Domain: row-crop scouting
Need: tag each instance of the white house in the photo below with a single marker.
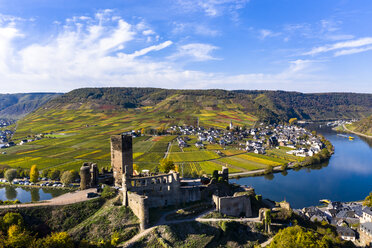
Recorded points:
(367, 215)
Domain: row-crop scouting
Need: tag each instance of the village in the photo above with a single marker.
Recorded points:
(302, 142)
(4, 134)
(352, 220)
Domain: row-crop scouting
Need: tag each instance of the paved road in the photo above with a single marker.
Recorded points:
(247, 173)
(68, 198)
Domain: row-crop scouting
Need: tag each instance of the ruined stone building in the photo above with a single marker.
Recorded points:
(238, 205)
(143, 192)
(88, 176)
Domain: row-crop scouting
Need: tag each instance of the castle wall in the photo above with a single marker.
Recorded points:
(138, 204)
(190, 194)
(162, 190)
(233, 205)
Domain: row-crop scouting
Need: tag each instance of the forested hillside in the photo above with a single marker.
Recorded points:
(266, 105)
(15, 106)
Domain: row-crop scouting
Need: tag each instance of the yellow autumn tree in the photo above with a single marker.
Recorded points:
(292, 121)
(18, 237)
(58, 240)
(34, 174)
(136, 168)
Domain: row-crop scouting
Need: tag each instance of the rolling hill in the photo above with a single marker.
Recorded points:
(77, 125)
(15, 106)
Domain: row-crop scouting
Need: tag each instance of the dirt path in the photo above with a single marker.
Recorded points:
(267, 242)
(68, 198)
(357, 133)
(168, 149)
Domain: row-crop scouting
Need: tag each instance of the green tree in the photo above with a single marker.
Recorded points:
(45, 172)
(54, 174)
(10, 174)
(34, 174)
(166, 165)
(75, 174)
(67, 177)
(368, 200)
(215, 175)
(11, 219)
(269, 169)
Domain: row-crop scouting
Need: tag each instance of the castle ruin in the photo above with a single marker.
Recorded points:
(121, 157)
(88, 176)
(143, 192)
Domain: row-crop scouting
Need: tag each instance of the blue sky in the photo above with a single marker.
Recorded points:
(306, 46)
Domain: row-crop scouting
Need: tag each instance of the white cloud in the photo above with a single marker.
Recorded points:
(213, 8)
(337, 37)
(98, 52)
(352, 51)
(196, 28)
(265, 33)
(342, 45)
(148, 32)
(195, 51)
(151, 48)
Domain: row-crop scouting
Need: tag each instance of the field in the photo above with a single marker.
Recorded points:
(71, 137)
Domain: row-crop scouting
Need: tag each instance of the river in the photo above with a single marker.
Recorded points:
(347, 176)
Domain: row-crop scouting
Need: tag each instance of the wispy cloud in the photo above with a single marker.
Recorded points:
(265, 33)
(213, 8)
(352, 44)
(195, 51)
(194, 28)
(152, 48)
(352, 51)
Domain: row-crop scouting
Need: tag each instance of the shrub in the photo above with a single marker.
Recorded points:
(107, 192)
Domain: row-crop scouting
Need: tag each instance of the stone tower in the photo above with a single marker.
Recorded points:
(94, 175)
(85, 176)
(121, 157)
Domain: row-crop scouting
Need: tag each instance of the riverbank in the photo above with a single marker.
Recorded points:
(314, 160)
(357, 133)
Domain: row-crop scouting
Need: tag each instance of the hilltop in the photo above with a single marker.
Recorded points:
(15, 106)
(266, 105)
